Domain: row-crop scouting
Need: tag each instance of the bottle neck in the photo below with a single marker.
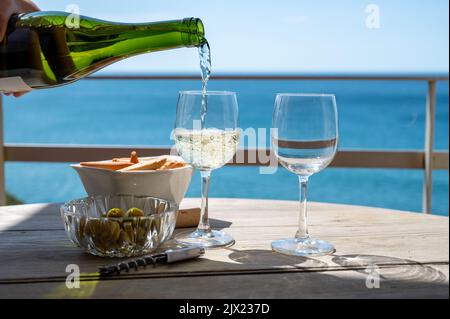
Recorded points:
(125, 40)
(155, 36)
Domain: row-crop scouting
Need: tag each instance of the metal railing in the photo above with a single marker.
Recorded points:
(428, 159)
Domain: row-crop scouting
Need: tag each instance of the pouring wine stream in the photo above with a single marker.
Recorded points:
(205, 67)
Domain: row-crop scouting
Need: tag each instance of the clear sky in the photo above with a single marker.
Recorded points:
(290, 35)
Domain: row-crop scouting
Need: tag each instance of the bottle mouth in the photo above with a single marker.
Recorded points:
(195, 26)
(194, 33)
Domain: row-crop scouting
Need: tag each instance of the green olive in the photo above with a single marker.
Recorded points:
(135, 212)
(129, 230)
(115, 212)
(104, 233)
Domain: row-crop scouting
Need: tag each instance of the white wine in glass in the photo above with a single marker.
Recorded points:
(206, 149)
(207, 138)
(304, 139)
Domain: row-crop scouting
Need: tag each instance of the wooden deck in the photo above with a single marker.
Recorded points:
(410, 250)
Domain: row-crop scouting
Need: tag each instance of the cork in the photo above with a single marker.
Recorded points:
(188, 217)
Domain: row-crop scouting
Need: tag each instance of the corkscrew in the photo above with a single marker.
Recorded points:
(166, 257)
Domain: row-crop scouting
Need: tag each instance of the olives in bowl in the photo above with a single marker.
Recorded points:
(119, 225)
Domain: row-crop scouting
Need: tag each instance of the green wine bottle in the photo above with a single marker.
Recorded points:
(43, 50)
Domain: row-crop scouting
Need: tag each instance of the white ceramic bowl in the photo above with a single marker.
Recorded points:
(169, 184)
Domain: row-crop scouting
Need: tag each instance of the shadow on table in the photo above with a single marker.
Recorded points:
(391, 268)
(388, 269)
(217, 224)
(270, 258)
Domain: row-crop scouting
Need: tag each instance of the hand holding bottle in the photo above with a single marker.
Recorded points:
(8, 8)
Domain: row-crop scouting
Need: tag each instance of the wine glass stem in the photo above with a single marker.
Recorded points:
(302, 231)
(203, 225)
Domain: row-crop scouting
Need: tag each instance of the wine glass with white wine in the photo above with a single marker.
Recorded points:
(206, 136)
(304, 139)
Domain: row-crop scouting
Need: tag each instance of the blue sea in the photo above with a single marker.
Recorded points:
(372, 115)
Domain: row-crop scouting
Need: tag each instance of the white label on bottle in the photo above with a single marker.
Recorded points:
(13, 85)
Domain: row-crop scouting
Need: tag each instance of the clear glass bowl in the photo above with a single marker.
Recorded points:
(87, 227)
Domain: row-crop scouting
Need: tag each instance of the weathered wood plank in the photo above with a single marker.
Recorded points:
(249, 213)
(47, 217)
(247, 157)
(395, 283)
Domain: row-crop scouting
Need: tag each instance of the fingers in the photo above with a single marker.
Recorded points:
(27, 6)
(16, 94)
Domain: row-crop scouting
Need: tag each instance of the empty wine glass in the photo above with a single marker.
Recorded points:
(304, 139)
(206, 135)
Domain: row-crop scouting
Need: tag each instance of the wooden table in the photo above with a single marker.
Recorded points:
(410, 251)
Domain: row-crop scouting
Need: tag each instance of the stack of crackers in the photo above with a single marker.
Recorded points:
(133, 163)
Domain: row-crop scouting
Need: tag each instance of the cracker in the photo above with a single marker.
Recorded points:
(107, 165)
(152, 164)
(169, 164)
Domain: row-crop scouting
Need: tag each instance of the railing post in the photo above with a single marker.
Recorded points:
(2, 158)
(429, 141)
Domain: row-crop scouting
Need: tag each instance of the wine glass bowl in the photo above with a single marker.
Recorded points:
(206, 136)
(304, 139)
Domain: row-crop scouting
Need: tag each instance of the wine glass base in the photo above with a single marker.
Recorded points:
(211, 239)
(307, 247)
